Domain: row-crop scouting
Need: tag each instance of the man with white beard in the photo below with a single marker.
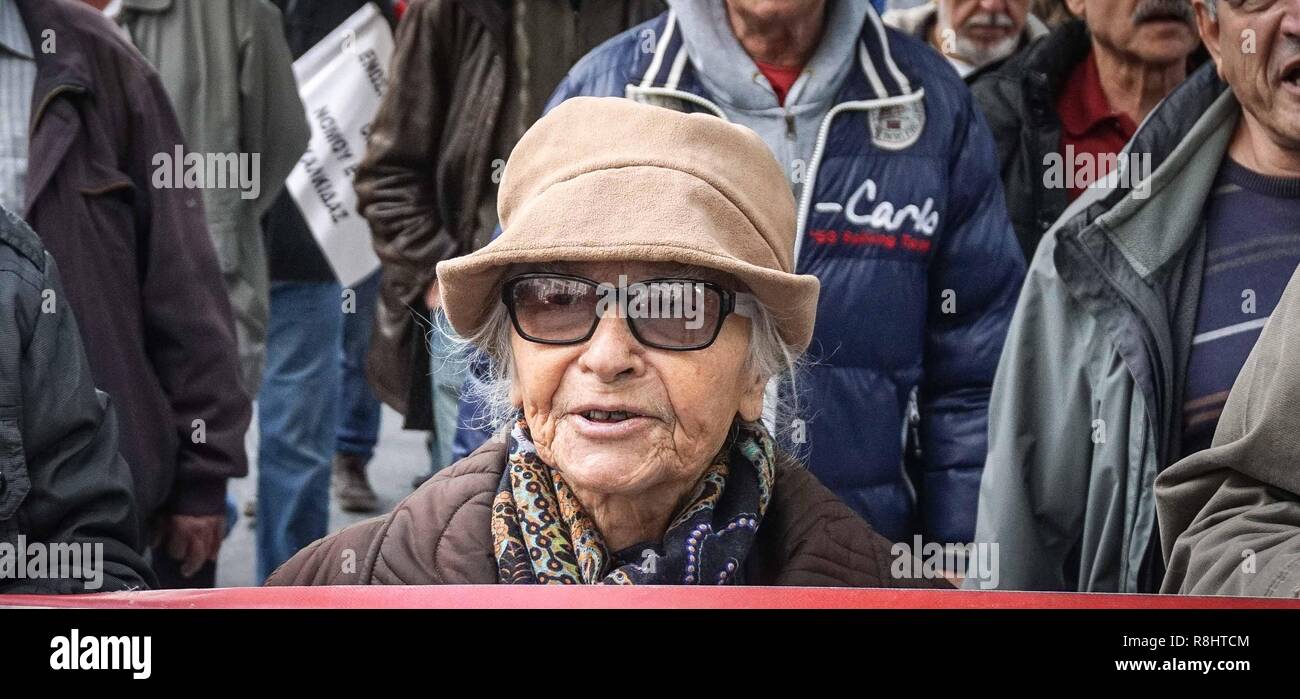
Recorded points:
(971, 34)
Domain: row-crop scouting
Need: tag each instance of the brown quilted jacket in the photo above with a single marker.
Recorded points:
(440, 534)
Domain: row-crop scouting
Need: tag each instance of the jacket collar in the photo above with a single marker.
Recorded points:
(68, 65)
(1091, 108)
(13, 34)
(668, 68)
(1048, 62)
(1134, 261)
(66, 70)
(1186, 138)
(730, 75)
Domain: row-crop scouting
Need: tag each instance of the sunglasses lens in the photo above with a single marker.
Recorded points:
(678, 315)
(553, 309)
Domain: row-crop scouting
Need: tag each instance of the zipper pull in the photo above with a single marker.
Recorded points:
(789, 125)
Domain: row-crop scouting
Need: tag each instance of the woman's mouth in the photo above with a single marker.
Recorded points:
(610, 416)
(609, 424)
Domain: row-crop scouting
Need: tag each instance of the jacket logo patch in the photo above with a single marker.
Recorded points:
(897, 126)
(876, 222)
(866, 208)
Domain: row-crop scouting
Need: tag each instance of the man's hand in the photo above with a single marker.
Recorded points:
(193, 540)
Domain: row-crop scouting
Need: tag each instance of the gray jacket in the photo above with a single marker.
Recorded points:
(1230, 515)
(62, 482)
(227, 68)
(1086, 405)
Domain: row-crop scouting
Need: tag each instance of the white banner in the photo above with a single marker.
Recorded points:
(341, 81)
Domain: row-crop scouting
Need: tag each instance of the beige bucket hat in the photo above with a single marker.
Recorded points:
(612, 180)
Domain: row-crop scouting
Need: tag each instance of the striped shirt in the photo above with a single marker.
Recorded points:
(17, 80)
(1252, 247)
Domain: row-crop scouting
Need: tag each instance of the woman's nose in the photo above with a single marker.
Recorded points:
(613, 352)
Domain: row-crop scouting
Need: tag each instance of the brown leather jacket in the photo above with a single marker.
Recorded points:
(441, 535)
(426, 169)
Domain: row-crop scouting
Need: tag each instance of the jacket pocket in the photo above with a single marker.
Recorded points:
(109, 199)
(111, 183)
(14, 481)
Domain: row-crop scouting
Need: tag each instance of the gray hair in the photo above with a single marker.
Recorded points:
(1212, 7)
(770, 356)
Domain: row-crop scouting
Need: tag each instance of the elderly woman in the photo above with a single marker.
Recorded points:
(634, 308)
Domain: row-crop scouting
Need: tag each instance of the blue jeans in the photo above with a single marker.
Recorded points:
(297, 419)
(232, 516)
(358, 430)
(447, 372)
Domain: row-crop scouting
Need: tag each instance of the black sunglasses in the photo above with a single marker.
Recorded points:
(668, 314)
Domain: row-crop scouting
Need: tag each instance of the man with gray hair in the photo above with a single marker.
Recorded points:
(1141, 307)
(1230, 515)
(1080, 91)
(974, 35)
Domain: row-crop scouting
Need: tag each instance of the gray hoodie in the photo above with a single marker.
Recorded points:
(746, 97)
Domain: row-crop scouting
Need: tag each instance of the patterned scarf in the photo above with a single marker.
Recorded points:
(542, 534)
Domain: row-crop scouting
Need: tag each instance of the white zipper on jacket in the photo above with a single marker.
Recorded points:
(647, 87)
(633, 91)
(823, 132)
(883, 99)
(653, 70)
(903, 83)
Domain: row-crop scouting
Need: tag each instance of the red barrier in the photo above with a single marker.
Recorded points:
(614, 597)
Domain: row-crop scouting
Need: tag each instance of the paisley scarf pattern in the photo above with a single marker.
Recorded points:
(541, 534)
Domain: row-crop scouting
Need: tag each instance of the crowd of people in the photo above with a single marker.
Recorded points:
(998, 275)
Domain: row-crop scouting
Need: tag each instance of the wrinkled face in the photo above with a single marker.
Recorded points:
(1159, 32)
(982, 31)
(677, 406)
(1256, 46)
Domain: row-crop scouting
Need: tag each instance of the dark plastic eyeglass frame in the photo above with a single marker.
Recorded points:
(728, 307)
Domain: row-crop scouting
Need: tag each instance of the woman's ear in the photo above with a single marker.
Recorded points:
(751, 401)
